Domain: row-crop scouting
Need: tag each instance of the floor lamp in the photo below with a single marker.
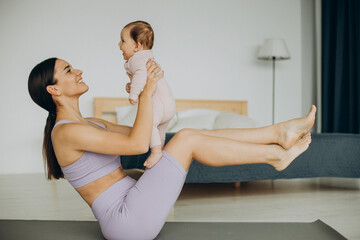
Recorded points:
(273, 49)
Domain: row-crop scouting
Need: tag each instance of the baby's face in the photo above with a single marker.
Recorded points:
(127, 44)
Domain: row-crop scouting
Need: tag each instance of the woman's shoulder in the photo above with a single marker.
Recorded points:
(65, 128)
(67, 137)
(74, 135)
(74, 128)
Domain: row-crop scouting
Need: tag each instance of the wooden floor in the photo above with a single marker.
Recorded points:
(335, 201)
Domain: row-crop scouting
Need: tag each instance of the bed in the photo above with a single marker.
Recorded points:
(106, 108)
(329, 155)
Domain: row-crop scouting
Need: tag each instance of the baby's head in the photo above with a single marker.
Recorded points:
(134, 37)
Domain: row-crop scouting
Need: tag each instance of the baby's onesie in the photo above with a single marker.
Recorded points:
(164, 107)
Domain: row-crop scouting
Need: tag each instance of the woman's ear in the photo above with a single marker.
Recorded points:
(53, 90)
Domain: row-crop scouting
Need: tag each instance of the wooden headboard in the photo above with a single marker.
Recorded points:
(105, 107)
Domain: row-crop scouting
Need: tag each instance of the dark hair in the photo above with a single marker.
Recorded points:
(40, 77)
(142, 32)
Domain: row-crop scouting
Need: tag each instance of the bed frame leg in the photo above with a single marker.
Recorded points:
(237, 184)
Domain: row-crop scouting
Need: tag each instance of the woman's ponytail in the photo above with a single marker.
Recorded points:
(40, 77)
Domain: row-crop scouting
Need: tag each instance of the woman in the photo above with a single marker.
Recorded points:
(86, 151)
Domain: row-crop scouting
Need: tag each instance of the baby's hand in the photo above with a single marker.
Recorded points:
(130, 76)
(128, 87)
(133, 101)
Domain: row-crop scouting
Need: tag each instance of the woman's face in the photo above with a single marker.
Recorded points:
(69, 80)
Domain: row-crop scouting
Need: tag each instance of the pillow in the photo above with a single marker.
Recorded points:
(172, 123)
(197, 122)
(126, 115)
(233, 120)
(121, 112)
(198, 118)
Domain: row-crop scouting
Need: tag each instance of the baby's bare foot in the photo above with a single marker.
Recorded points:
(153, 159)
(289, 155)
(294, 129)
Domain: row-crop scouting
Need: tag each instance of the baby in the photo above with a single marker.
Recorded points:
(136, 42)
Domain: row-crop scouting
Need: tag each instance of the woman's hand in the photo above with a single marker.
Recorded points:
(152, 77)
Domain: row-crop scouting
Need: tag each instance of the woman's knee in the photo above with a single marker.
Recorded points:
(186, 137)
(181, 146)
(181, 139)
(186, 133)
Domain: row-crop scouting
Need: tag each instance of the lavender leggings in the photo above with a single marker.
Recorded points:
(132, 209)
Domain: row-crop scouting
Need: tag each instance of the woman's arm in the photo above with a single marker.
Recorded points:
(125, 130)
(84, 137)
(114, 127)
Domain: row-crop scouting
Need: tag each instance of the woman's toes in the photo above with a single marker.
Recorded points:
(294, 129)
(298, 148)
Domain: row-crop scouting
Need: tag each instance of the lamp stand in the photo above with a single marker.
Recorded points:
(273, 92)
(273, 49)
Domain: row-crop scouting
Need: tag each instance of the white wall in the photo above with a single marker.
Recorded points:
(207, 49)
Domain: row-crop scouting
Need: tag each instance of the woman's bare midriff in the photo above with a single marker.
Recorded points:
(91, 191)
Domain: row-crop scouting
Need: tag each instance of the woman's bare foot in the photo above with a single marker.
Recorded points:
(294, 129)
(289, 155)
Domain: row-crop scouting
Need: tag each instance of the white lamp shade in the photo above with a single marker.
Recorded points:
(274, 48)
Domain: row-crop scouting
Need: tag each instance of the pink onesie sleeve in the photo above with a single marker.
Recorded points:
(137, 67)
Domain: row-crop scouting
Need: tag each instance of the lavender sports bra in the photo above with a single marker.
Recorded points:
(90, 166)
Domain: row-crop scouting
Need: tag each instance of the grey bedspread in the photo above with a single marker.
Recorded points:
(329, 155)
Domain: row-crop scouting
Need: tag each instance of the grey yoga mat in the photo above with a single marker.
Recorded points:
(89, 230)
